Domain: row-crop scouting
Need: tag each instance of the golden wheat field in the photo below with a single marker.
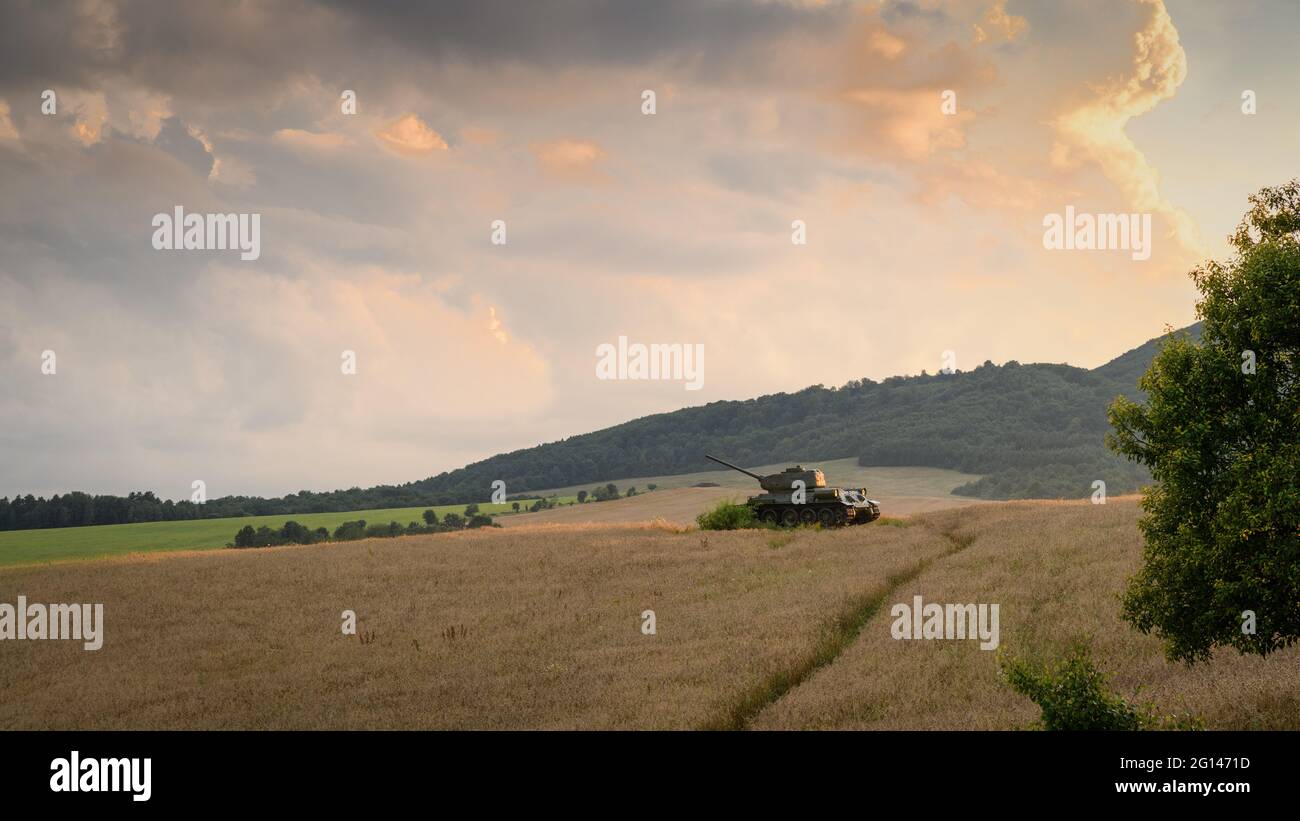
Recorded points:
(541, 627)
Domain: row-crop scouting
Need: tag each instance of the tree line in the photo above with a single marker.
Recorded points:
(78, 509)
(292, 532)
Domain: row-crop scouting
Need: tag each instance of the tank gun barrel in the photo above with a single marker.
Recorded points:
(733, 467)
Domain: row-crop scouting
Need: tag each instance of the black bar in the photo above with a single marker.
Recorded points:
(330, 770)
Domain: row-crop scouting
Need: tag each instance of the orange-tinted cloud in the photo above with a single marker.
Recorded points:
(569, 158)
(475, 135)
(998, 26)
(910, 121)
(981, 184)
(1094, 130)
(410, 136)
(7, 130)
(310, 140)
(891, 85)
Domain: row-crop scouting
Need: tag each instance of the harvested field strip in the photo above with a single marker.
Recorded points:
(1056, 571)
(836, 636)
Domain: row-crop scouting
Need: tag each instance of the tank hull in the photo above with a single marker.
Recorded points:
(829, 509)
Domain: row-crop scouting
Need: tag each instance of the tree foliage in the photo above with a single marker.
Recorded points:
(294, 533)
(1222, 524)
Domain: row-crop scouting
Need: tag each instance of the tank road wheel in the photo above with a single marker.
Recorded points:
(769, 517)
(789, 517)
(827, 517)
(808, 516)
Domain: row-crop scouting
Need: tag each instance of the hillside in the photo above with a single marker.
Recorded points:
(1033, 431)
(1029, 431)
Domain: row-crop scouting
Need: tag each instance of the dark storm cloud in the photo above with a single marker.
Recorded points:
(907, 10)
(224, 51)
(559, 33)
(48, 43)
(175, 139)
(212, 50)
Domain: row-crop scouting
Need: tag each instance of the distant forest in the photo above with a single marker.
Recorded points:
(1032, 431)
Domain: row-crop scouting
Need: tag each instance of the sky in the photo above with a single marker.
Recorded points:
(922, 212)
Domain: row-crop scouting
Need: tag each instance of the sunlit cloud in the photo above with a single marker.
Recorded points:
(1095, 130)
(998, 26)
(7, 130)
(569, 158)
(494, 326)
(410, 136)
(311, 140)
(909, 121)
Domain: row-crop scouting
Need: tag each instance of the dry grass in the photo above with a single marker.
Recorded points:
(539, 627)
(1056, 570)
(487, 629)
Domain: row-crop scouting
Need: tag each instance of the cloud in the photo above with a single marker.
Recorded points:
(311, 140)
(410, 136)
(189, 145)
(910, 122)
(592, 33)
(890, 85)
(982, 184)
(255, 378)
(494, 326)
(998, 26)
(570, 159)
(89, 111)
(1094, 131)
(44, 45)
(7, 130)
(475, 135)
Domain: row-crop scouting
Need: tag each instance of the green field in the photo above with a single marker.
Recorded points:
(64, 543)
(892, 481)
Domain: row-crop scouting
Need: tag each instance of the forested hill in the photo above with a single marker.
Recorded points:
(1128, 367)
(1033, 431)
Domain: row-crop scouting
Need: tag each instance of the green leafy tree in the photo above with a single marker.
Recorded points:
(582, 496)
(1220, 433)
(430, 517)
(296, 533)
(602, 494)
(350, 531)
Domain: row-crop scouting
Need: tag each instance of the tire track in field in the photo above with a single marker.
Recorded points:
(838, 633)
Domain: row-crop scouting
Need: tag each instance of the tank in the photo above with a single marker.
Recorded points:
(786, 502)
